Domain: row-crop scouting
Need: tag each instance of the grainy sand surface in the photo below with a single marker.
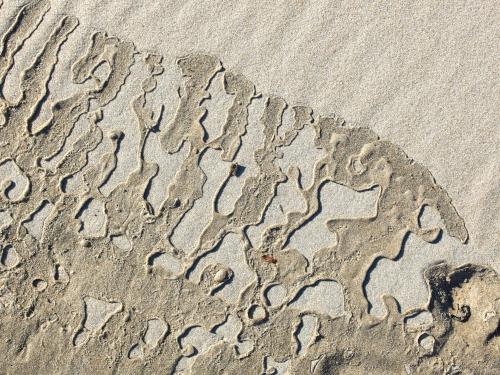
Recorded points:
(422, 76)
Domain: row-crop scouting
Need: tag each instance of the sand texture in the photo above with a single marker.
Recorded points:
(177, 196)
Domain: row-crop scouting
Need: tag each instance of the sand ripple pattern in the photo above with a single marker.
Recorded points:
(102, 286)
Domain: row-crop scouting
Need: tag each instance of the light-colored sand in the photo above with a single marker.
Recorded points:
(423, 76)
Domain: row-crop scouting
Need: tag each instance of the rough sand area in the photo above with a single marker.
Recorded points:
(177, 196)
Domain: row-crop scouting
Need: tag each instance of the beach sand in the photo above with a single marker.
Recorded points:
(421, 76)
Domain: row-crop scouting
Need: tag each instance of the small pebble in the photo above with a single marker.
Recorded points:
(39, 284)
(188, 350)
(85, 243)
(115, 134)
(427, 342)
(221, 275)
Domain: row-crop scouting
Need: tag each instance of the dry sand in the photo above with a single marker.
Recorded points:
(422, 76)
